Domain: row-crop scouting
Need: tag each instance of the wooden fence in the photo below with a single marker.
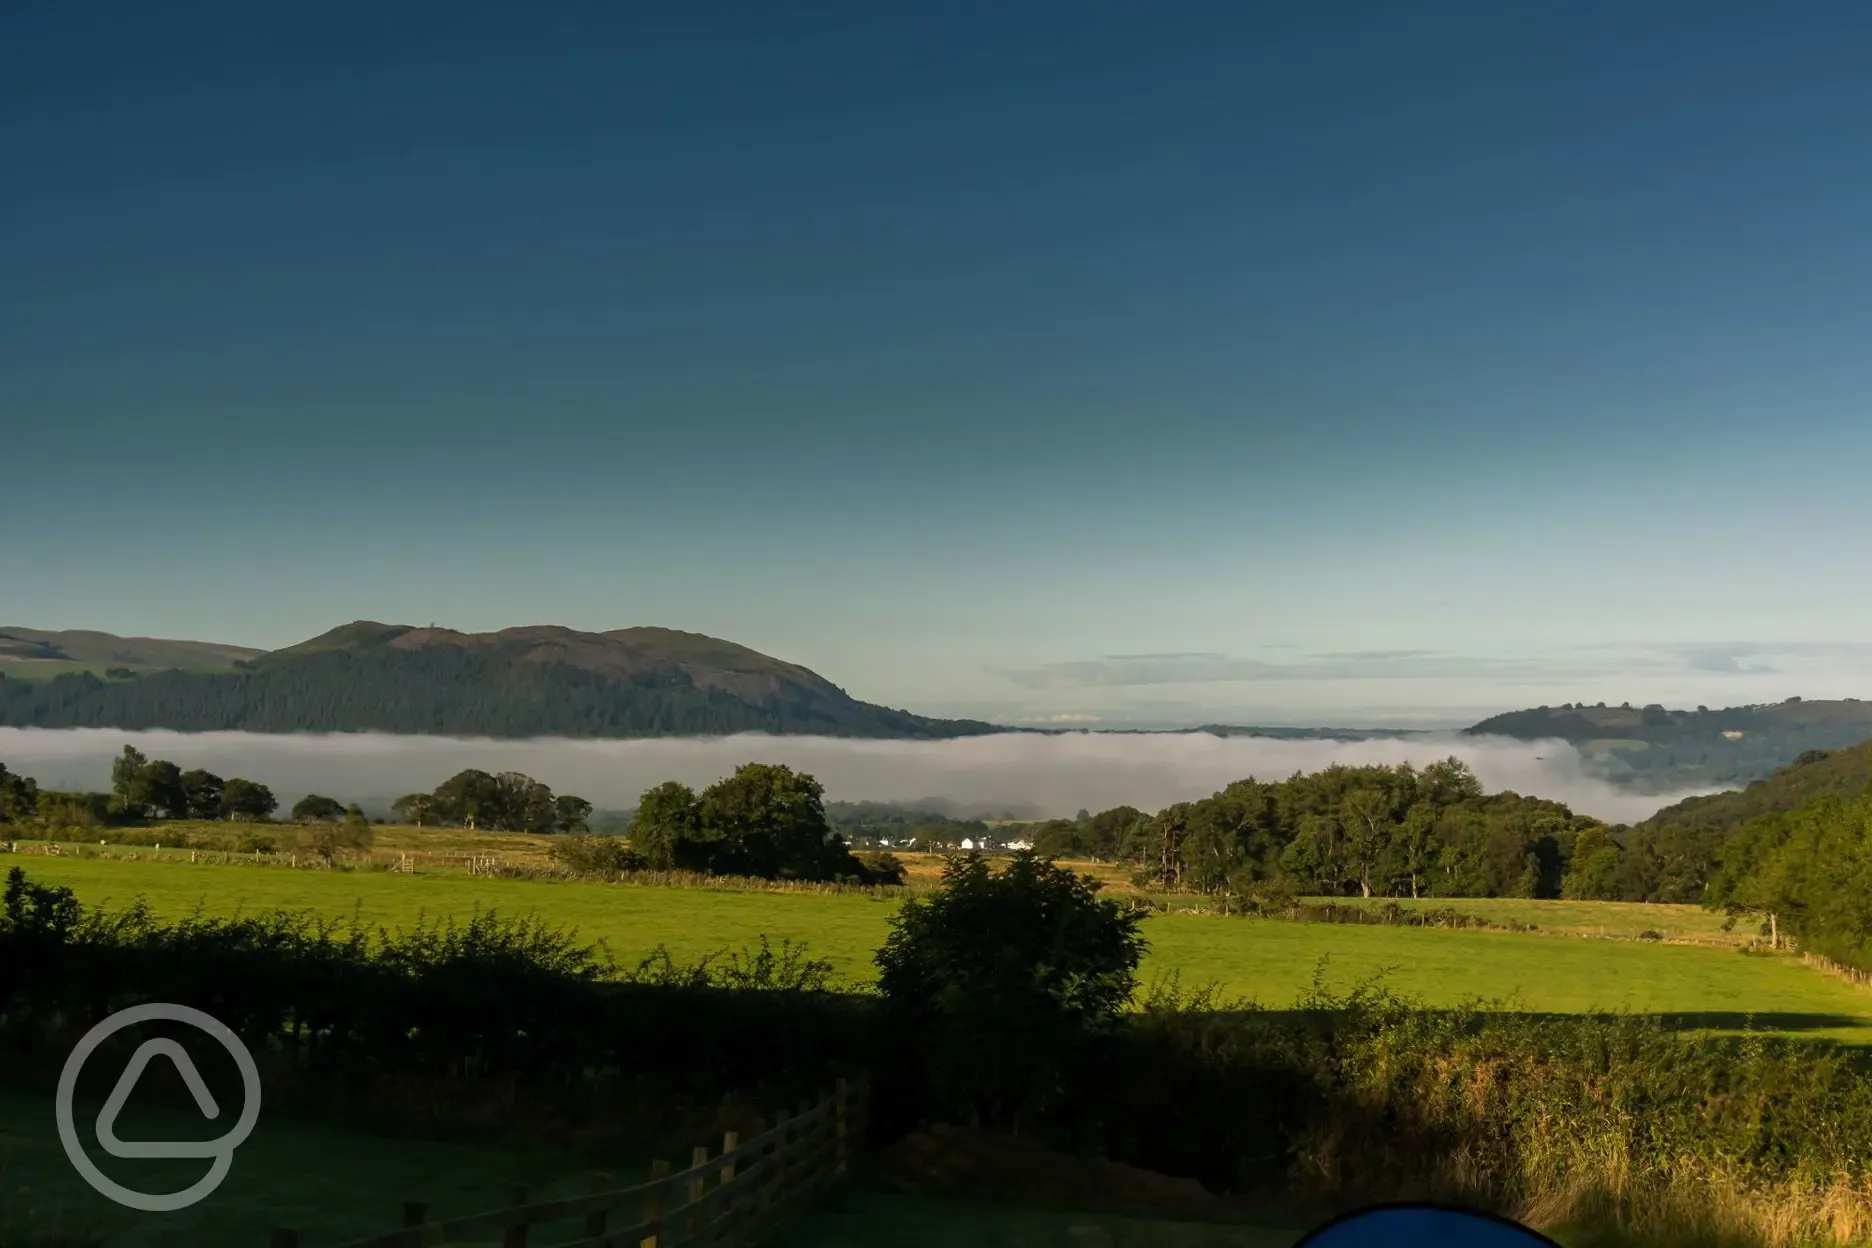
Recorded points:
(1828, 965)
(725, 1200)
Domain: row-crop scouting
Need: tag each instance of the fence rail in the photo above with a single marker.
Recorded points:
(1850, 973)
(722, 1200)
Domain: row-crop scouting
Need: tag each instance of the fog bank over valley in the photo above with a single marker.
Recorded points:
(1041, 775)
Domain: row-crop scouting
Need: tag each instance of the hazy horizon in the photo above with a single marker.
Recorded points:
(1421, 690)
(1056, 775)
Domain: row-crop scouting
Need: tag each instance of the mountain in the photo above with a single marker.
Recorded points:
(1657, 749)
(521, 682)
(34, 652)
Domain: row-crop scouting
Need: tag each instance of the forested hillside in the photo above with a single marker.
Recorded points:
(1656, 749)
(1810, 870)
(1433, 832)
(1842, 773)
(542, 681)
(1675, 855)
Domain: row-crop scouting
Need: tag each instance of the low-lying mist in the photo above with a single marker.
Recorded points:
(1033, 774)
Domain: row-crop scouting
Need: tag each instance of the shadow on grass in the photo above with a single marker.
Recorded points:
(1730, 1021)
(1720, 1024)
(862, 1215)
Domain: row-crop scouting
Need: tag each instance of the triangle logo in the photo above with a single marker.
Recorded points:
(148, 1051)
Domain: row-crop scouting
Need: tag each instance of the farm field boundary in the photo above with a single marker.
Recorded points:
(400, 849)
(729, 1198)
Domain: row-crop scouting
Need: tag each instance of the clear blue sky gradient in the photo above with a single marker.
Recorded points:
(960, 351)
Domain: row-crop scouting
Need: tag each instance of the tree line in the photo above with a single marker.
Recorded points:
(1372, 831)
(141, 789)
(1345, 831)
(144, 789)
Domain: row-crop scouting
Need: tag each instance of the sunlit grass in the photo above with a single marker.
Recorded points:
(1269, 960)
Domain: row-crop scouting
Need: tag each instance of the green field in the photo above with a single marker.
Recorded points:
(1615, 920)
(1268, 960)
(47, 669)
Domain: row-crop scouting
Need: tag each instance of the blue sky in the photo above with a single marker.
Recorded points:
(1347, 361)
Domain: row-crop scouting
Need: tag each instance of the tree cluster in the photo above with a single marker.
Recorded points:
(1809, 871)
(141, 789)
(155, 788)
(1345, 831)
(765, 820)
(506, 801)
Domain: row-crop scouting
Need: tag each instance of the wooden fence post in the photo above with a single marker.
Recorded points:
(725, 1207)
(653, 1207)
(840, 1129)
(516, 1234)
(782, 1149)
(803, 1173)
(595, 1220)
(698, 1157)
(758, 1200)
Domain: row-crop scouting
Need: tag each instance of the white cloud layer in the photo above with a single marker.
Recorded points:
(1051, 775)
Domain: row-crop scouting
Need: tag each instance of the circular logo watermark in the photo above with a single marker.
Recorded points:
(222, 1150)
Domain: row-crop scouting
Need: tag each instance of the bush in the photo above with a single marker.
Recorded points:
(600, 857)
(248, 841)
(326, 840)
(882, 869)
(997, 982)
(1588, 1121)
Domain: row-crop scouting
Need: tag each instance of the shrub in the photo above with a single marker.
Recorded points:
(996, 981)
(248, 841)
(882, 869)
(326, 839)
(601, 857)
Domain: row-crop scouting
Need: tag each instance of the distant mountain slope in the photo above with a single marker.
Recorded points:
(1651, 747)
(536, 681)
(1845, 773)
(37, 652)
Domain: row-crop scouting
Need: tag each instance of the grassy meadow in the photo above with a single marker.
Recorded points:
(1561, 970)
(287, 1174)
(1619, 920)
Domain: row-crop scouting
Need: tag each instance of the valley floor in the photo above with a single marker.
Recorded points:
(1692, 985)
